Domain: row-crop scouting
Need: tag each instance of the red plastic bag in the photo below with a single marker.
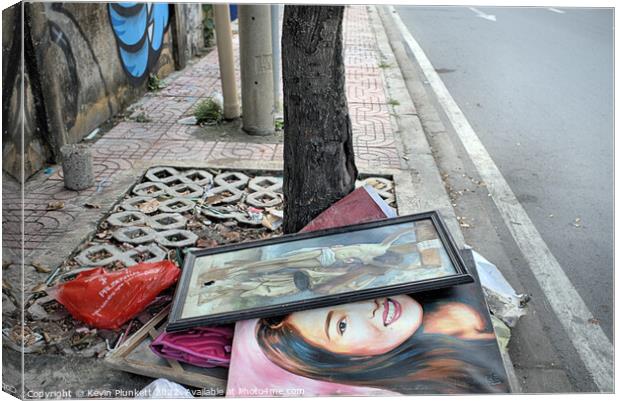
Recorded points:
(106, 300)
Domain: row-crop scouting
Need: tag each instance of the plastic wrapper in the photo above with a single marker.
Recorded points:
(107, 300)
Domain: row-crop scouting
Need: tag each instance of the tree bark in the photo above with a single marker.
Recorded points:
(319, 165)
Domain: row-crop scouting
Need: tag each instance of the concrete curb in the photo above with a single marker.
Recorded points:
(425, 190)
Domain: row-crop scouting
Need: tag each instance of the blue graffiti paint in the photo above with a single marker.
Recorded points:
(139, 29)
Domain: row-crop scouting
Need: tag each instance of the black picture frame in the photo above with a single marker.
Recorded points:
(461, 276)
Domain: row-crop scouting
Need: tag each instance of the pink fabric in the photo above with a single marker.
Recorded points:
(206, 347)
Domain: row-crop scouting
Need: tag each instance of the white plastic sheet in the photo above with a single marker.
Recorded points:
(503, 300)
(163, 388)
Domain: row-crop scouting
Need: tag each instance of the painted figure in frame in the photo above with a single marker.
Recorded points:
(325, 269)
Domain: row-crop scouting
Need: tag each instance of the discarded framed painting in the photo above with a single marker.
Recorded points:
(320, 268)
(442, 342)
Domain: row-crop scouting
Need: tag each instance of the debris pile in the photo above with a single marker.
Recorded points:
(167, 213)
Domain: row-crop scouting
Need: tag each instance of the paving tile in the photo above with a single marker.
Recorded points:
(376, 157)
(180, 132)
(133, 149)
(240, 150)
(163, 109)
(361, 57)
(355, 72)
(193, 86)
(106, 167)
(180, 150)
(365, 89)
(136, 130)
(361, 112)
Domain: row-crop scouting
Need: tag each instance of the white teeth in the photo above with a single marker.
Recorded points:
(391, 313)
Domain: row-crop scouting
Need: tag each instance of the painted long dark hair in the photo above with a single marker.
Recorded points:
(424, 364)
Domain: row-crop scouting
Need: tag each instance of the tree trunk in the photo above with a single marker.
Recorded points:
(319, 166)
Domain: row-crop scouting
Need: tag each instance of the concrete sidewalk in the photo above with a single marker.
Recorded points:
(131, 145)
(388, 139)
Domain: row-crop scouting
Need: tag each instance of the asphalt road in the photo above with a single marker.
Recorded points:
(536, 85)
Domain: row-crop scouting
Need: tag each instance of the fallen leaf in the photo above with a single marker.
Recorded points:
(149, 206)
(40, 288)
(272, 222)
(41, 268)
(6, 285)
(206, 243)
(232, 235)
(214, 199)
(55, 205)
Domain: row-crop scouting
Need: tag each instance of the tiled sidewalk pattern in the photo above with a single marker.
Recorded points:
(162, 138)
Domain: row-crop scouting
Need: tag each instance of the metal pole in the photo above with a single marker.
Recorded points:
(223, 36)
(277, 57)
(256, 69)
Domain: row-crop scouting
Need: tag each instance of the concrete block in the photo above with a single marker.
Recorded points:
(152, 189)
(127, 219)
(198, 177)
(176, 205)
(185, 190)
(132, 204)
(263, 199)
(232, 178)
(111, 253)
(176, 238)
(161, 174)
(266, 183)
(229, 193)
(383, 186)
(147, 253)
(77, 166)
(166, 221)
(134, 235)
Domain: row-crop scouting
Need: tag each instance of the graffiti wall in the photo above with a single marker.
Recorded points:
(139, 30)
(87, 62)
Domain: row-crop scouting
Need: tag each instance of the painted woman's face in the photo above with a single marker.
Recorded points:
(362, 328)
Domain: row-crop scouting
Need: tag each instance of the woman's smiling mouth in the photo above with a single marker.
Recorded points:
(391, 311)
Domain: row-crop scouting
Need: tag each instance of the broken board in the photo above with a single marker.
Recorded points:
(135, 356)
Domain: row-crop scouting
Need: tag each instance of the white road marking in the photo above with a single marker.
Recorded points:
(555, 10)
(595, 350)
(483, 15)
